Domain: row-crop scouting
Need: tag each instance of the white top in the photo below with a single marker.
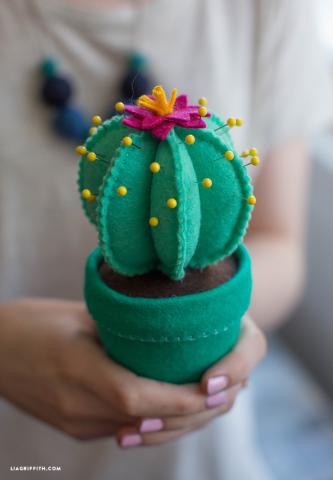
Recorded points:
(256, 59)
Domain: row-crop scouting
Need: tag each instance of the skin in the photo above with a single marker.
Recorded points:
(276, 236)
(53, 367)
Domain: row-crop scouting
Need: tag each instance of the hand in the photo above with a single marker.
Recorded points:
(53, 367)
(214, 396)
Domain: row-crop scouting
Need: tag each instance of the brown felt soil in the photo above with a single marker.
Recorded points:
(156, 285)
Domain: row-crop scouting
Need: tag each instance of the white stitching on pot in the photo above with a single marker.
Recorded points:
(189, 338)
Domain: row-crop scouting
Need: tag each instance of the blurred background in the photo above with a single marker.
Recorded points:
(294, 394)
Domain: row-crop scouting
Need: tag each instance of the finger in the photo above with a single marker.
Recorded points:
(88, 430)
(222, 403)
(128, 437)
(133, 395)
(236, 367)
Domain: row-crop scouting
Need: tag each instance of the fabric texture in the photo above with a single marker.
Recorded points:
(173, 339)
(196, 233)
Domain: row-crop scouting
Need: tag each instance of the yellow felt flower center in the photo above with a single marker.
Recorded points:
(159, 104)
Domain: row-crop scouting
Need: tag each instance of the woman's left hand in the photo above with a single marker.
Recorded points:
(216, 393)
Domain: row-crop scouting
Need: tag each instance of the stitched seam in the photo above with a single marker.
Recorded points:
(189, 338)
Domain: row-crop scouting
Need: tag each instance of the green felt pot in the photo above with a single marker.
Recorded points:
(173, 339)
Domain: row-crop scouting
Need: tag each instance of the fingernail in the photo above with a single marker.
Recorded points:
(131, 440)
(151, 425)
(216, 384)
(216, 400)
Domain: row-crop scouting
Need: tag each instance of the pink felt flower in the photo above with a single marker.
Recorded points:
(157, 114)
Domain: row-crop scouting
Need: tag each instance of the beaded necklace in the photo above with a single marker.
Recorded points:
(57, 91)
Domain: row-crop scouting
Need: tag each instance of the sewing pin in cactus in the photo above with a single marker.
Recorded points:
(81, 150)
(251, 200)
(154, 167)
(87, 195)
(203, 101)
(245, 153)
(92, 157)
(207, 182)
(190, 139)
(119, 107)
(122, 191)
(229, 155)
(203, 111)
(153, 222)
(96, 120)
(171, 203)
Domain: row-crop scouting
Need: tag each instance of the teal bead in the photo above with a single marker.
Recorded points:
(137, 61)
(49, 67)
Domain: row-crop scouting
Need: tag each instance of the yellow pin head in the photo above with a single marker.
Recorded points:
(92, 156)
(251, 200)
(96, 120)
(255, 161)
(239, 122)
(122, 191)
(202, 111)
(207, 182)
(231, 122)
(171, 203)
(153, 221)
(87, 195)
(253, 152)
(203, 101)
(245, 153)
(81, 150)
(120, 107)
(229, 155)
(190, 139)
(127, 141)
(155, 167)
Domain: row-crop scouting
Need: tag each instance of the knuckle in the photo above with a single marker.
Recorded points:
(128, 401)
(183, 405)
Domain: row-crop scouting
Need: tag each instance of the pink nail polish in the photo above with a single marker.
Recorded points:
(216, 384)
(151, 425)
(131, 440)
(216, 400)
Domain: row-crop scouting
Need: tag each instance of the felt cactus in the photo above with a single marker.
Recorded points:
(164, 186)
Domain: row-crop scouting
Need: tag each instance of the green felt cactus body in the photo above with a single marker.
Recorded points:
(165, 195)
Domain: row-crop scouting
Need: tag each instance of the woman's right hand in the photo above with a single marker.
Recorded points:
(53, 367)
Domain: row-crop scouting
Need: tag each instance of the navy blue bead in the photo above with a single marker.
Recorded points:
(135, 84)
(71, 123)
(56, 91)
